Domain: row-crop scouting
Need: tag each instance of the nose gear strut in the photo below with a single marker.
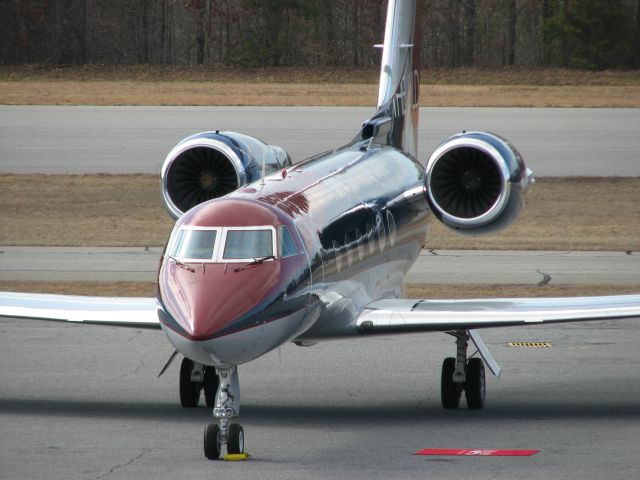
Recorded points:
(225, 409)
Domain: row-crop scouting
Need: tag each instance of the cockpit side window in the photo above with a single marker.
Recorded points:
(287, 245)
(195, 244)
(248, 244)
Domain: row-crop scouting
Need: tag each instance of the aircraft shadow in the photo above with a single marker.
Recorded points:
(325, 415)
(409, 414)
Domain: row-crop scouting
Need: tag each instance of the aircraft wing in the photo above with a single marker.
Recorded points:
(117, 311)
(405, 316)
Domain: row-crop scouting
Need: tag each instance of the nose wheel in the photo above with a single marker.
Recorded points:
(213, 440)
(212, 443)
(235, 439)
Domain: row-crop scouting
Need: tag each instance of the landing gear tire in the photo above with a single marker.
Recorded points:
(475, 387)
(212, 443)
(210, 385)
(449, 391)
(189, 391)
(235, 439)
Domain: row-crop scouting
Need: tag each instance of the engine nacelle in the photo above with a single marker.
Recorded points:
(208, 165)
(475, 182)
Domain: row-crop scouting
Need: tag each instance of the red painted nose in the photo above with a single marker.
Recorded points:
(210, 300)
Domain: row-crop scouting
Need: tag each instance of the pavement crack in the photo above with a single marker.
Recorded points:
(137, 368)
(122, 465)
(135, 335)
(433, 252)
(546, 278)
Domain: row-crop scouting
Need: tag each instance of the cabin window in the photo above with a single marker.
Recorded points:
(248, 244)
(337, 253)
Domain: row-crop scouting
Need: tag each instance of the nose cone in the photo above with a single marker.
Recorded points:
(210, 300)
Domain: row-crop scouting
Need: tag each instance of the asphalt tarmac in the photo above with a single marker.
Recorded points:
(80, 402)
(72, 139)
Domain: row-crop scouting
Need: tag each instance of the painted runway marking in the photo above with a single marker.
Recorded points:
(530, 344)
(476, 453)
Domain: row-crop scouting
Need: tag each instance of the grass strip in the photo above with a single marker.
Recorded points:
(125, 210)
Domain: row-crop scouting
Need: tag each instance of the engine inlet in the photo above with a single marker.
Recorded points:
(200, 174)
(466, 182)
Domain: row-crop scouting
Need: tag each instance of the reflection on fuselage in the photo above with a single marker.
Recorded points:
(355, 242)
(365, 242)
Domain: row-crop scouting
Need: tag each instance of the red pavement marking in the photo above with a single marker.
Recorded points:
(477, 453)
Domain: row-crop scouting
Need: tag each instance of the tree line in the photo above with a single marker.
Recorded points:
(593, 34)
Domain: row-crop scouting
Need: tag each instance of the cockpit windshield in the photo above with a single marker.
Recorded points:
(224, 244)
(197, 244)
(250, 243)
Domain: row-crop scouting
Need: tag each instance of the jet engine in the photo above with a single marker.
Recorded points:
(208, 165)
(475, 182)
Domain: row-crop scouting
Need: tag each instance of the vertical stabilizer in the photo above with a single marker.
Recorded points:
(395, 123)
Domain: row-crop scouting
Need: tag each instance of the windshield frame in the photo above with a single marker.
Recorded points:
(220, 243)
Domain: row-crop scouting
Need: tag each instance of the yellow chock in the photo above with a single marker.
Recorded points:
(234, 457)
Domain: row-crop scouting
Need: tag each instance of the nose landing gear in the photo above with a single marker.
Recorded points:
(225, 409)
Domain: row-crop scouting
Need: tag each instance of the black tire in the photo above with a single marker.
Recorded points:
(189, 391)
(212, 441)
(475, 387)
(235, 439)
(450, 392)
(210, 385)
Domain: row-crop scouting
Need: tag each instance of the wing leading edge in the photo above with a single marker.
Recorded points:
(124, 312)
(406, 316)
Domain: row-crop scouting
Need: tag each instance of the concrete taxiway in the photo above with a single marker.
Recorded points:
(57, 139)
(112, 264)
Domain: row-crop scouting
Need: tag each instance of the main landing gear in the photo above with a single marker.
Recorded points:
(194, 378)
(226, 408)
(460, 374)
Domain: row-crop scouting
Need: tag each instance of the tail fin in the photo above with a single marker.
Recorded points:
(395, 123)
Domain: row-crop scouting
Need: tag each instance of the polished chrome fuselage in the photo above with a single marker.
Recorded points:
(360, 218)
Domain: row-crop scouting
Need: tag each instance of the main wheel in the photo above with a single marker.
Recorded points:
(210, 385)
(450, 392)
(475, 387)
(212, 441)
(189, 391)
(235, 439)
